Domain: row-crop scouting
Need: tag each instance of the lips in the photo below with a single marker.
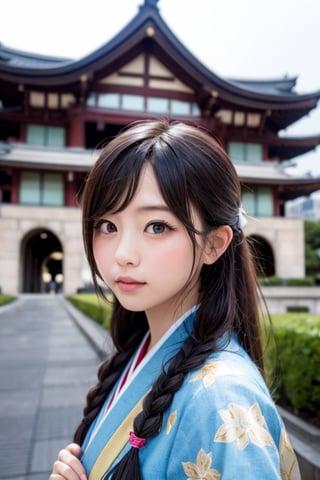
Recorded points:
(128, 284)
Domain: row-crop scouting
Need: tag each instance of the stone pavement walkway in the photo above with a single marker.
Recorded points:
(46, 368)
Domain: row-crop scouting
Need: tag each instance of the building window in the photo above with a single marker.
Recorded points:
(245, 152)
(39, 188)
(139, 103)
(180, 108)
(133, 102)
(109, 100)
(195, 110)
(157, 105)
(91, 100)
(6, 186)
(46, 136)
(258, 202)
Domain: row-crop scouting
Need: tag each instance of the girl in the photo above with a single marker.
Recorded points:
(183, 397)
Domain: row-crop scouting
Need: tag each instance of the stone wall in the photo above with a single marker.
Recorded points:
(18, 221)
(285, 236)
(280, 298)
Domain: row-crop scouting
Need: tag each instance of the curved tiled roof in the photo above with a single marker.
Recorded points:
(17, 59)
(279, 86)
(148, 25)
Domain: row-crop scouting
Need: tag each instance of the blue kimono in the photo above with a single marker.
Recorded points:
(222, 423)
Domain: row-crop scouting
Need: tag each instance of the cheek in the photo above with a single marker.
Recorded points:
(177, 256)
(100, 254)
(96, 250)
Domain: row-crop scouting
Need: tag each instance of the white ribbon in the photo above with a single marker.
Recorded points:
(242, 221)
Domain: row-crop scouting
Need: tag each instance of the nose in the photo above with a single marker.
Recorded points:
(127, 251)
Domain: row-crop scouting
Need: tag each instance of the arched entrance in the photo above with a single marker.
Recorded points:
(263, 255)
(42, 262)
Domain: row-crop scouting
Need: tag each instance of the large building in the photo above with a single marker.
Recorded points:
(55, 114)
(306, 207)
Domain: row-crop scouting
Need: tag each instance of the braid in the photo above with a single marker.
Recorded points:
(108, 373)
(148, 423)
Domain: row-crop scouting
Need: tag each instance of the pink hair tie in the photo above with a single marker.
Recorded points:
(137, 442)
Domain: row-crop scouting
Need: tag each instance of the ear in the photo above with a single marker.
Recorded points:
(217, 243)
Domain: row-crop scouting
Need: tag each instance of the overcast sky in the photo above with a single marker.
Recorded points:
(244, 39)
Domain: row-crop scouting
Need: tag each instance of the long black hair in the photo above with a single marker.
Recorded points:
(192, 170)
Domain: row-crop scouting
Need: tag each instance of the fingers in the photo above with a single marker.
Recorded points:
(74, 448)
(68, 465)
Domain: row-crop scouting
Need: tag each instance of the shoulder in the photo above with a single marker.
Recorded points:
(227, 385)
(230, 369)
(224, 417)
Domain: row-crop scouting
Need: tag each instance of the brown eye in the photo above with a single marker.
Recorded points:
(104, 226)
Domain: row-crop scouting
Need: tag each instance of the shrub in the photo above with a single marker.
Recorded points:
(94, 307)
(301, 282)
(298, 347)
(297, 308)
(287, 282)
(4, 299)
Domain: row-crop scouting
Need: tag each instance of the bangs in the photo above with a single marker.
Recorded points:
(171, 171)
(180, 172)
(116, 179)
(115, 183)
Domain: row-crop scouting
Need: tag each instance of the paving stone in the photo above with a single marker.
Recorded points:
(19, 402)
(23, 378)
(67, 354)
(14, 458)
(45, 452)
(27, 358)
(19, 478)
(69, 375)
(19, 427)
(65, 395)
(38, 476)
(68, 341)
(57, 422)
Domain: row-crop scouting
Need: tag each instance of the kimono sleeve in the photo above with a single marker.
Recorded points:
(227, 429)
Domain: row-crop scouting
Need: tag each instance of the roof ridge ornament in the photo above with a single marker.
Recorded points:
(151, 3)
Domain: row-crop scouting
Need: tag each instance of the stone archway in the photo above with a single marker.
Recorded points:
(42, 262)
(263, 256)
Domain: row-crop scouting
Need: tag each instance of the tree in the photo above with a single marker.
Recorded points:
(312, 247)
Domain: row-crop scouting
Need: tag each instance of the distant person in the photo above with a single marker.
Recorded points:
(184, 396)
(52, 286)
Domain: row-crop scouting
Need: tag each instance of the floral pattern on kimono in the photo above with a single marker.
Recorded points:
(222, 422)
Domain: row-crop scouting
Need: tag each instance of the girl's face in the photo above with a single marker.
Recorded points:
(145, 256)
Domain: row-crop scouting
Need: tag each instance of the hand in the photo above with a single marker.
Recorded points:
(68, 465)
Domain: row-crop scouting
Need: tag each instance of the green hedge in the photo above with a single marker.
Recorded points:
(93, 306)
(4, 299)
(298, 347)
(287, 282)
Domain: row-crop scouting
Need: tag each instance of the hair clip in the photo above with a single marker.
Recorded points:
(242, 221)
(137, 442)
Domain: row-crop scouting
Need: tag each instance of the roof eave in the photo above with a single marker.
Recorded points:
(149, 24)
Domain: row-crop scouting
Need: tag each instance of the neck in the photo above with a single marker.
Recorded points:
(160, 323)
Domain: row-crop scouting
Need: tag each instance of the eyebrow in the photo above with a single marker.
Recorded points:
(151, 208)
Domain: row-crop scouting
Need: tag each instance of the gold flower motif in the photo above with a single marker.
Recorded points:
(243, 426)
(171, 421)
(210, 371)
(201, 470)
(288, 463)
